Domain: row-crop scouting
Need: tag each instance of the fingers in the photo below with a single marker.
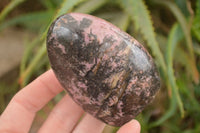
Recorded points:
(20, 112)
(34, 96)
(63, 117)
(131, 127)
(89, 124)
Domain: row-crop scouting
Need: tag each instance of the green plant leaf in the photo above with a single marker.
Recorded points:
(169, 113)
(90, 6)
(183, 23)
(123, 22)
(142, 20)
(48, 4)
(31, 20)
(9, 8)
(108, 15)
(66, 6)
(198, 7)
(182, 4)
(197, 48)
(31, 67)
(189, 92)
(113, 17)
(196, 22)
(27, 53)
(174, 37)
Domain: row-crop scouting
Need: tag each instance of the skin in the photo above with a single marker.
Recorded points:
(20, 112)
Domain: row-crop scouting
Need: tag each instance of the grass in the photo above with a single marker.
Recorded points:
(176, 52)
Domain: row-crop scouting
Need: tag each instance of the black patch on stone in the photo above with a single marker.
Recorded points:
(85, 23)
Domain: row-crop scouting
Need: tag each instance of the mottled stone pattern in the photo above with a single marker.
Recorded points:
(104, 70)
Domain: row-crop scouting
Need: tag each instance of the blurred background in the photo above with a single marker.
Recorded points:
(169, 29)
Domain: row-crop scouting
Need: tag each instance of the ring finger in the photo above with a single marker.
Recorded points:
(89, 124)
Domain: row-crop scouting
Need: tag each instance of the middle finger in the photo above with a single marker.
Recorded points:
(63, 117)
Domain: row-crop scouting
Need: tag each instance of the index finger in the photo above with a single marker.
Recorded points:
(21, 110)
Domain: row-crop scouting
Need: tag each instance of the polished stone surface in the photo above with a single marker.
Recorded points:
(105, 70)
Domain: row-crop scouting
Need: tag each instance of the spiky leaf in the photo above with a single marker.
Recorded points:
(142, 20)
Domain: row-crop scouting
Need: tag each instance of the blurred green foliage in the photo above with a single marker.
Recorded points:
(169, 29)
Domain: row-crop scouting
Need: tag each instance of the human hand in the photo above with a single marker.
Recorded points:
(20, 113)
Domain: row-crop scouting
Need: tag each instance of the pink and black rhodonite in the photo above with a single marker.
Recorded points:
(105, 70)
